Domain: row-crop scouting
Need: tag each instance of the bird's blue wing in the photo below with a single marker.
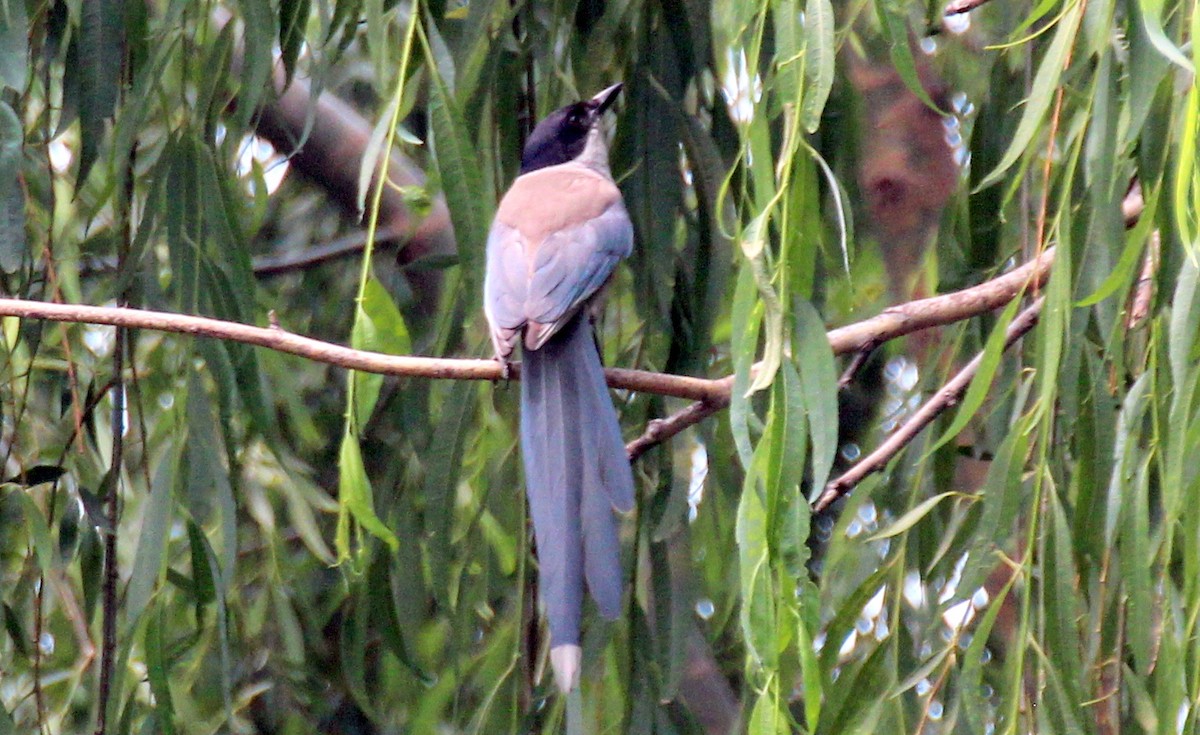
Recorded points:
(506, 285)
(572, 264)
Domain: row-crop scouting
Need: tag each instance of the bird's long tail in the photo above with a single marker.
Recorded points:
(576, 474)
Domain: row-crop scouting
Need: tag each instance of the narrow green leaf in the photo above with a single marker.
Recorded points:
(820, 52)
(1152, 15)
(789, 438)
(209, 494)
(818, 376)
(1045, 83)
(768, 717)
(848, 613)
(14, 252)
(744, 342)
(1184, 327)
(373, 159)
(7, 726)
(772, 326)
(152, 540)
(758, 593)
(14, 245)
(893, 22)
(39, 533)
(1139, 569)
(390, 333)
(14, 44)
(377, 46)
(1055, 320)
(444, 457)
(807, 625)
(1126, 452)
(913, 516)
(971, 681)
(981, 384)
(258, 41)
(16, 632)
(461, 176)
(204, 583)
(1127, 266)
(158, 671)
(293, 20)
(203, 557)
(378, 327)
(863, 688)
(1060, 602)
(287, 623)
(1002, 499)
(101, 45)
(355, 496)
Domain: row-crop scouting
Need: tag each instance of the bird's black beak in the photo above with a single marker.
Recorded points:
(605, 98)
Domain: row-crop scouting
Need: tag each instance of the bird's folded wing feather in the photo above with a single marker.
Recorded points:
(557, 237)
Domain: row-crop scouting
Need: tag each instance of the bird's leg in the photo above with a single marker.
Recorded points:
(505, 368)
(502, 348)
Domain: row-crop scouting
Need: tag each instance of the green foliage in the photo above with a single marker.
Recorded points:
(306, 550)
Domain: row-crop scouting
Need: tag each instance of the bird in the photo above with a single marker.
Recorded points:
(558, 234)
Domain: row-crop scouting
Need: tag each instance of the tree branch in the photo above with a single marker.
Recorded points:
(948, 396)
(659, 430)
(897, 321)
(711, 395)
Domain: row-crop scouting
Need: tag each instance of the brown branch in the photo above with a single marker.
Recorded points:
(660, 430)
(856, 363)
(325, 352)
(936, 311)
(863, 337)
(948, 396)
(1143, 289)
(325, 139)
(277, 264)
(711, 395)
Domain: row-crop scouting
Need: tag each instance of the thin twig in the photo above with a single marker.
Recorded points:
(860, 358)
(277, 264)
(282, 263)
(660, 430)
(1143, 289)
(122, 349)
(111, 574)
(948, 396)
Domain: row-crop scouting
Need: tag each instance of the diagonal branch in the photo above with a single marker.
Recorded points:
(948, 396)
(865, 336)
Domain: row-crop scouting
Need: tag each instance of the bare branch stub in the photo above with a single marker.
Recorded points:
(860, 358)
(947, 396)
(660, 430)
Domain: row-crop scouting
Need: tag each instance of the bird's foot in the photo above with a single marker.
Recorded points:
(505, 368)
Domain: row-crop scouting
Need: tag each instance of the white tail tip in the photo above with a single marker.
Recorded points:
(566, 661)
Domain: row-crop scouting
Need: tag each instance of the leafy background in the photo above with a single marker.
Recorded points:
(297, 550)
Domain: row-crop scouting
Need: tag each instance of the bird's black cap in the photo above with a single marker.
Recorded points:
(562, 136)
